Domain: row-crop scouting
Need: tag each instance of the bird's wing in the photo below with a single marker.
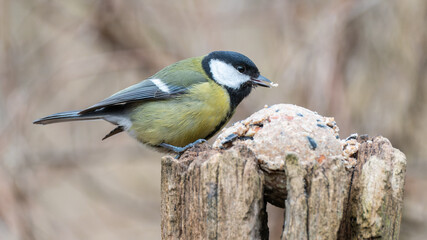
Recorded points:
(159, 86)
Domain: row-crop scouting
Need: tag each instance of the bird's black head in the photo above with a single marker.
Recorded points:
(235, 72)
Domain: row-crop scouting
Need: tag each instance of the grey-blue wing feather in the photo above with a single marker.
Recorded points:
(171, 84)
(143, 91)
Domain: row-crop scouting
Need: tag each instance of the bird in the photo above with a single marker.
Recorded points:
(182, 105)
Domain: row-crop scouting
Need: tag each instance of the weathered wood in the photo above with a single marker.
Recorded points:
(213, 196)
(316, 196)
(374, 207)
(290, 157)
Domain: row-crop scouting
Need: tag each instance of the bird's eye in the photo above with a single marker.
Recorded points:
(241, 69)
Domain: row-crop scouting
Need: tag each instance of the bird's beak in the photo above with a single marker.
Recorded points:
(261, 81)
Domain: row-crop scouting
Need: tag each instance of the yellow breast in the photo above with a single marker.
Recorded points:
(184, 119)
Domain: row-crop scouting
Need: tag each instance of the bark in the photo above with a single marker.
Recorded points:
(213, 196)
(374, 207)
(330, 188)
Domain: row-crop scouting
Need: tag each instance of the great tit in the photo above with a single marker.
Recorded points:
(181, 105)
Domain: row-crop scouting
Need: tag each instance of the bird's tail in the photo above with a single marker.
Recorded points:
(67, 117)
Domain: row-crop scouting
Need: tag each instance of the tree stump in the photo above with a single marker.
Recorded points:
(292, 158)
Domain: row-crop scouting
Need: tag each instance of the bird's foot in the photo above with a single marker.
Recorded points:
(181, 150)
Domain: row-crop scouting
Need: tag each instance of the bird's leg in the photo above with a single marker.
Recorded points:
(181, 150)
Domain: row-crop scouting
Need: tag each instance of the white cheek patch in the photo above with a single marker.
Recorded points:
(225, 74)
(161, 85)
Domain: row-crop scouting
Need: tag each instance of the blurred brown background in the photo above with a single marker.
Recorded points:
(362, 61)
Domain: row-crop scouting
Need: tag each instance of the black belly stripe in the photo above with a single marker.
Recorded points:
(221, 124)
(236, 96)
